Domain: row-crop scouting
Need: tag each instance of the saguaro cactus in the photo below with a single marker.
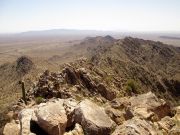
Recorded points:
(23, 91)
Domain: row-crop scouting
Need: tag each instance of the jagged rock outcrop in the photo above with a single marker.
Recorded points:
(93, 118)
(70, 75)
(48, 86)
(86, 79)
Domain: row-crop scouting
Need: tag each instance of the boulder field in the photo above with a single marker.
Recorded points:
(118, 117)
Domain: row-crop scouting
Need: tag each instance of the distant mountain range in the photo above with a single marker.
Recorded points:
(170, 37)
(51, 34)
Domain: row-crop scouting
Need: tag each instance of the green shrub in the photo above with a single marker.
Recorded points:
(128, 89)
(39, 100)
(131, 86)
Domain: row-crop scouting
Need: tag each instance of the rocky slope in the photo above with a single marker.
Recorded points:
(11, 73)
(153, 65)
(70, 102)
(126, 86)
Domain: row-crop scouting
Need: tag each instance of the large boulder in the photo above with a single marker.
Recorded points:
(51, 117)
(135, 126)
(148, 106)
(93, 118)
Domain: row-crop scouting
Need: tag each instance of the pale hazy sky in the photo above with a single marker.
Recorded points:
(119, 15)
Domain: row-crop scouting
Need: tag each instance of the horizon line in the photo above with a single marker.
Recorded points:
(95, 30)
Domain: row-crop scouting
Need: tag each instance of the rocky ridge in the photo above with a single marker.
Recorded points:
(120, 89)
(72, 102)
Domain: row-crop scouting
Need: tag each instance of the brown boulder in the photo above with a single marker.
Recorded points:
(93, 118)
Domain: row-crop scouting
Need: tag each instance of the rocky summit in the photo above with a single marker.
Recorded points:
(119, 89)
(71, 103)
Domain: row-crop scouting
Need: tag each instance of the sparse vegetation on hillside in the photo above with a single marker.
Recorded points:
(24, 65)
(131, 86)
(39, 100)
